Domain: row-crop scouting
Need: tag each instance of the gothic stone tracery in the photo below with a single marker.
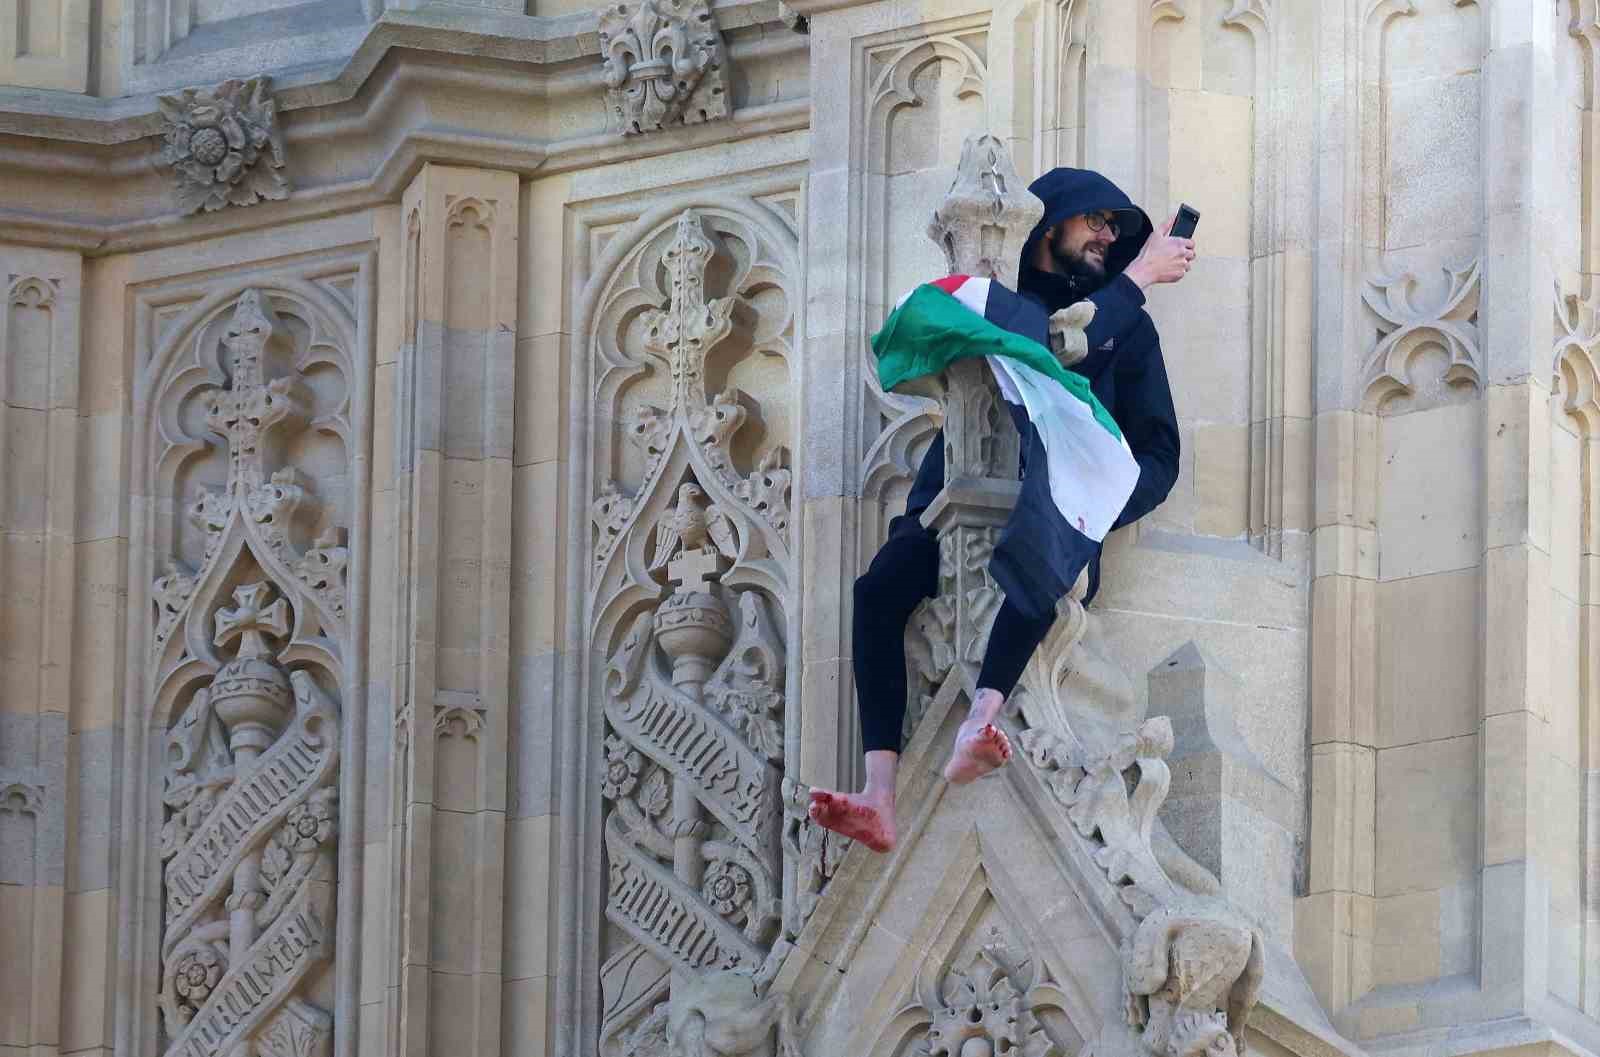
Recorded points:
(695, 566)
(245, 641)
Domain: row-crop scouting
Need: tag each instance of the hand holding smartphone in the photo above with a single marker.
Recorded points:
(1167, 256)
(1188, 218)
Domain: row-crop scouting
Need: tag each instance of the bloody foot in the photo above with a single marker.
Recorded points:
(853, 815)
(980, 748)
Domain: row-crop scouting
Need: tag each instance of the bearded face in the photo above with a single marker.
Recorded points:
(1080, 251)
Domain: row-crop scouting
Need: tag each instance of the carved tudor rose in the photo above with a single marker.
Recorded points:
(663, 64)
(224, 145)
(251, 763)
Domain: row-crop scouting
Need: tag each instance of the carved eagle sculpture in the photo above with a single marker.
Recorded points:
(683, 529)
(688, 526)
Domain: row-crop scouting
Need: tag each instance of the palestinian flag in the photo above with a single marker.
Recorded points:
(1091, 472)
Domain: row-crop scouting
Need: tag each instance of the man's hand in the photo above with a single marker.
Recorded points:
(1164, 259)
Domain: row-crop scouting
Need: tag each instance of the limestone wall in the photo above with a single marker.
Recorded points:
(507, 330)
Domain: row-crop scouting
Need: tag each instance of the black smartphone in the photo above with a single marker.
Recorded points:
(1188, 217)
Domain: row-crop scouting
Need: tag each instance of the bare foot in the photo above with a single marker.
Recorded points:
(980, 748)
(853, 815)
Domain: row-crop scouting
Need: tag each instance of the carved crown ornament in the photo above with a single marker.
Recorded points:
(663, 64)
(224, 145)
(249, 624)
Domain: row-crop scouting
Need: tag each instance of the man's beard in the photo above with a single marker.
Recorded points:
(1080, 266)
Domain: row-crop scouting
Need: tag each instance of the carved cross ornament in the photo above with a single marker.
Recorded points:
(224, 145)
(663, 63)
(252, 619)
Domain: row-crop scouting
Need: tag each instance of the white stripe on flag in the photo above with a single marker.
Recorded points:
(974, 293)
(1092, 472)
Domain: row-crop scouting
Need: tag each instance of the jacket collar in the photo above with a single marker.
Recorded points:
(1053, 290)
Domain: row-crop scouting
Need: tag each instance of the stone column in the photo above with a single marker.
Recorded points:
(1519, 728)
(980, 226)
(40, 581)
(451, 583)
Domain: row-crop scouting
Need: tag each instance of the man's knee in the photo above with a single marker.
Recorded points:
(903, 573)
(879, 591)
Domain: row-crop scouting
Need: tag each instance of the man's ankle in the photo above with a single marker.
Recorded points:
(985, 706)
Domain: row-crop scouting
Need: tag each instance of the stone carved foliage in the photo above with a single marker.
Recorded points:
(986, 1008)
(690, 594)
(247, 632)
(1192, 968)
(1447, 321)
(663, 64)
(224, 145)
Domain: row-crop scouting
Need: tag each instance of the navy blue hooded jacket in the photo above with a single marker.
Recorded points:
(1126, 372)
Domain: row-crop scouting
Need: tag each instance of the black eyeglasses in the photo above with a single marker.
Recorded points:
(1099, 222)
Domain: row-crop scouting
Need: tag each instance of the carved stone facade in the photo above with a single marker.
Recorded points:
(426, 594)
(245, 655)
(690, 598)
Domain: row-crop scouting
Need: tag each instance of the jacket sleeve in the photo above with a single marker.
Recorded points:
(1118, 309)
(1144, 411)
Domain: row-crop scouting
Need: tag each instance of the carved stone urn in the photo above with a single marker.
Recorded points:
(695, 630)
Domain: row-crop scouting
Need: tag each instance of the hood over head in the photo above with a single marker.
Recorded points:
(1069, 192)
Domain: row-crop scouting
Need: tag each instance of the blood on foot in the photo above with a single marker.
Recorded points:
(850, 816)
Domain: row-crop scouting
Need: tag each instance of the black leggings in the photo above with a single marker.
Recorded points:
(903, 573)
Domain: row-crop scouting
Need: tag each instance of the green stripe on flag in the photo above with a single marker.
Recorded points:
(931, 330)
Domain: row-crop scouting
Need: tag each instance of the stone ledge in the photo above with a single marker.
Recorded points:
(418, 106)
(542, 41)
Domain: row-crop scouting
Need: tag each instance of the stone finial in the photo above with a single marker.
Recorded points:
(988, 214)
(663, 64)
(224, 144)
